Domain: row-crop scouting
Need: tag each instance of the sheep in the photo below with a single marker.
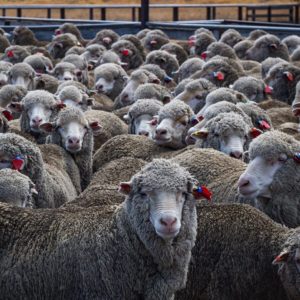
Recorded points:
(72, 131)
(181, 86)
(195, 93)
(158, 72)
(253, 88)
(4, 43)
(22, 74)
(36, 108)
(227, 132)
(231, 37)
(39, 63)
(295, 104)
(16, 188)
(15, 54)
(129, 54)
(75, 50)
(175, 49)
(93, 53)
(64, 71)
(222, 94)
(173, 121)
(137, 43)
(142, 33)
(153, 91)
(4, 68)
(111, 126)
(130, 234)
(232, 239)
(241, 48)
(292, 42)
(136, 79)
(200, 43)
(189, 67)
(73, 97)
(11, 93)
(256, 34)
(23, 36)
(218, 48)
(268, 63)
(154, 41)
(140, 115)
(46, 82)
(282, 79)
(61, 44)
(103, 189)
(110, 79)
(105, 37)
(50, 168)
(281, 115)
(267, 46)
(164, 59)
(221, 71)
(73, 29)
(271, 178)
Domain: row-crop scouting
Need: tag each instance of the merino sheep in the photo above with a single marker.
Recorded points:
(41, 64)
(164, 59)
(140, 233)
(46, 82)
(256, 34)
(74, 133)
(154, 41)
(75, 50)
(271, 178)
(158, 72)
(137, 43)
(105, 37)
(235, 247)
(175, 49)
(16, 188)
(140, 115)
(110, 79)
(231, 37)
(15, 54)
(37, 107)
(23, 36)
(4, 43)
(189, 67)
(64, 71)
(268, 63)
(242, 47)
(54, 173)
(73, 29)
(11, 93)
(292, 42)
(93, 53)
(173, 121)
(218, 48)
(267, 46)
(200, 43)
(153, 91)
(22, 74)
(295, 104)
(4, 68)
(195, 93)
(281, 115)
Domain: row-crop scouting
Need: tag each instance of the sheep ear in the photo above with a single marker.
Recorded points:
(96, 127)
(8, 115)
(154, 121)
(264, 125)
(47, 127)
(16, 106)
(124, 188)
(166, 100)
(273, 46)
(168, 79)
(34, 191)
(126, 117)
(194, 121)
(281, 258)
(153, 79)
(245, 157)
(89, 101)
(254, 132)
(200, 134)
(289, 75)
(60, 106)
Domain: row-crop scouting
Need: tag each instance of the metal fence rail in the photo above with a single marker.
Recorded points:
(288, 12)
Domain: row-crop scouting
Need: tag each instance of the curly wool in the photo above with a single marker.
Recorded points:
(156, 70)
(175, 110)
(152, 91)
(9, 93)
(70, 93)
(144, 107)
(224, 94)
(38, 96)
(189, 67)
(222, 49)
(200, 85)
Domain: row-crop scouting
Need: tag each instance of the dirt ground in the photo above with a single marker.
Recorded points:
(125, 14)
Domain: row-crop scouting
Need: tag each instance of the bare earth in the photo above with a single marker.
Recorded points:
(125, 14)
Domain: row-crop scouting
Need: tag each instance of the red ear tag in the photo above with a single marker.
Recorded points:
(281, 257)
(200, 118)
(204, 55)
(57, 32)
(202, 191)
(7, 114)
(125, 52)
(268, 89)
(254, 132)
(296, 157)
(10, 53)
(17, 163)
(264, 125)
(219, 75)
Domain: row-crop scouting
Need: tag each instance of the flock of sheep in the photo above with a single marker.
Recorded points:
(137, 167)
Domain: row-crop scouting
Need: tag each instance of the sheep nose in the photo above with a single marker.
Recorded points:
(143, 132)
(67, 78)
(236, 154)
(37, 121)
(73, 141)
(99, 87)
(125, 97)
(168, 221)
(161, 131)
(243, 183)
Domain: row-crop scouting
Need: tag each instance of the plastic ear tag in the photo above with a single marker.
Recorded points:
(18, 163)
(202, 191)
(219, 75)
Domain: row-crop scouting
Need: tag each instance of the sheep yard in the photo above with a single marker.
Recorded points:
(154, 158)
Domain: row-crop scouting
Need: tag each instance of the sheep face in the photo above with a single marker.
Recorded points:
(104, 86)
(38, 114)
(142, 125)
(3, 78)
(171, 133)
(64, 72)
(289, 265)
(22, 74)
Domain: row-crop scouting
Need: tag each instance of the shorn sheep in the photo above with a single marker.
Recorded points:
(151, 234)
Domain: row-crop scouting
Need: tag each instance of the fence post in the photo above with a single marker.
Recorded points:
(144, 13)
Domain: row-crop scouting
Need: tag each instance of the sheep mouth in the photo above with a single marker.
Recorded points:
(252, 194)
(160, 140)
(168, 234)
(73, 149)
(190, 140)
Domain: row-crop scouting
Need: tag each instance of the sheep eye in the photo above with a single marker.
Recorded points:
(143, 194)
(216, 134)
(184, 123)
(198, 97)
